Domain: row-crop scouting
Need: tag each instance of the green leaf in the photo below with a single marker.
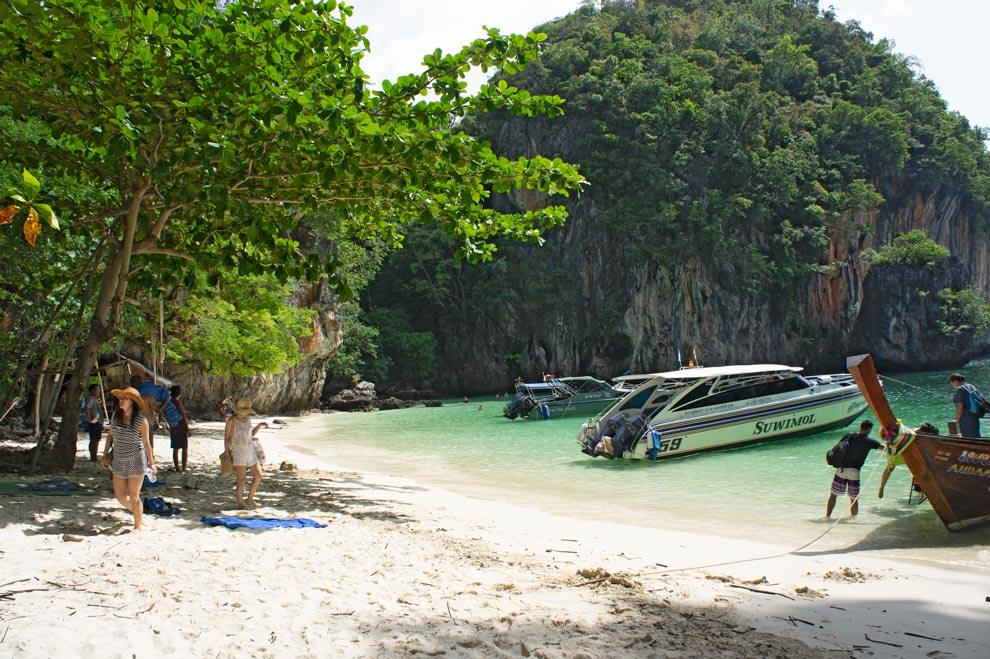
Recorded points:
(31, 186)
(46, 213)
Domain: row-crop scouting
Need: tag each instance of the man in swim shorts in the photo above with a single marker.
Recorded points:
(846, 479)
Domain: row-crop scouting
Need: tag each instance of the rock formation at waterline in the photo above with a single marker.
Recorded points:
(297, 389)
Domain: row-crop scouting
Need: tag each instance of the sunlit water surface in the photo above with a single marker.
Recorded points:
(774, 492)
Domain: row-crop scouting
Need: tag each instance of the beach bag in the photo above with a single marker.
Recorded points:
(172, 415)
(977, 403)
(836, 456)
(259, 450)
(226, 465)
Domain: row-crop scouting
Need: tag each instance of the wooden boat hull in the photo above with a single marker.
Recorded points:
(953, 472)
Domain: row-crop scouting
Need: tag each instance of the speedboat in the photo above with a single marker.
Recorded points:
(557, 397)
(702, 409)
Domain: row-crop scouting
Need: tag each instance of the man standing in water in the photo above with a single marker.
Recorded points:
(846, 479)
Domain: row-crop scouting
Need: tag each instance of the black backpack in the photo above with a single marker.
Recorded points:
(836, 456)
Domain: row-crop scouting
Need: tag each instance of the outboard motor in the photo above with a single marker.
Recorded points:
(592, 434)
(520, 405)
(629, 432)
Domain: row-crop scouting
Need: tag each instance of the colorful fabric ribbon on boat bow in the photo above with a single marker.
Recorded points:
(896, 440)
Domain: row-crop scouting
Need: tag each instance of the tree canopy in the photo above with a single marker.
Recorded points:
(209, 130)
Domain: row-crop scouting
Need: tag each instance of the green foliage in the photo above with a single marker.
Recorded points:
(964, 310)
(410, 355)
(202, 133)
(222, 86)
(360, 355)
(911, 248)
(245, 327)
(740, 123)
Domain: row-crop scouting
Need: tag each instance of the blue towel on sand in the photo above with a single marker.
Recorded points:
(261, 522)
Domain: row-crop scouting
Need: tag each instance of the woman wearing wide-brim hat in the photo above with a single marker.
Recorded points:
(132, 456)
(239, 445)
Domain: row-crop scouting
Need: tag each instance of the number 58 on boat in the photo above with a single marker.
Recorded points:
(702, 409)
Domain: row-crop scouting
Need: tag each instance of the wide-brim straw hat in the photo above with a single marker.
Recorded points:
(244, 405)
(132, 393)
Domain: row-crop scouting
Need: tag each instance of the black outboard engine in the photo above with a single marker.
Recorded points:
(608, 429)
(520, 405)
(628, 434)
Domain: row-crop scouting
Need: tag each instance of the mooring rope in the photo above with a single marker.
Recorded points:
(902, 382)
(863, 486)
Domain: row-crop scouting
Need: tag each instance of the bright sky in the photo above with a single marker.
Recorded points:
(946, 36)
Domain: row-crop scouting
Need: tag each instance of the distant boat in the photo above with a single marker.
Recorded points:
(558, 397)
(691, 410)
(952, 472)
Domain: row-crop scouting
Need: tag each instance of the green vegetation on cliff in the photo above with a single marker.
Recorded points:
(911, 248)
(743, 134)
(720, 125)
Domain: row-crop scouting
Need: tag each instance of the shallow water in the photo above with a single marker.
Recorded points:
(771, 493)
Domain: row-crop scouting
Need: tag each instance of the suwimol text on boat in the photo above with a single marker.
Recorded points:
(700, 409)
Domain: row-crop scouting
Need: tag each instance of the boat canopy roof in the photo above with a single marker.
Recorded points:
(541, 386)
(558, 383)
(714, 371)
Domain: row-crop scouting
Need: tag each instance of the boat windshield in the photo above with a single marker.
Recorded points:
(583, 385)
(740, 388)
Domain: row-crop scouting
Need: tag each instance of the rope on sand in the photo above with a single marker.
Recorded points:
(821, 535)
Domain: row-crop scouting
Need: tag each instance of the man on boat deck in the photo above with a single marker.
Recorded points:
(846, 479)
(967, 421)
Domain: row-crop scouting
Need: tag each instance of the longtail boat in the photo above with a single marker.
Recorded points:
(953, 472)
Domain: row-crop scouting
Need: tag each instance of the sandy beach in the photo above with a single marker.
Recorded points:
(405, 570)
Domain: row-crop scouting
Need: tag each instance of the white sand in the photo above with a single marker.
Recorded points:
(405, 570)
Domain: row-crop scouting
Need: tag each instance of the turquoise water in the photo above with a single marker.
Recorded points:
(774, 492)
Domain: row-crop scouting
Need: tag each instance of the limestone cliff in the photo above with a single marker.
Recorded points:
(609, 317)
(295, 390)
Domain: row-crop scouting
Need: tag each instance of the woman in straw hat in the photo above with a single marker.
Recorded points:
(238, 442)
(132, 456)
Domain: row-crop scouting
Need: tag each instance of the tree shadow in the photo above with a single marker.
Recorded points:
(201, 492)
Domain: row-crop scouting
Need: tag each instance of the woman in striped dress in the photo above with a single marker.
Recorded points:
(129, 438)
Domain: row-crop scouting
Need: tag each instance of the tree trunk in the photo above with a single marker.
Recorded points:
(102, 325)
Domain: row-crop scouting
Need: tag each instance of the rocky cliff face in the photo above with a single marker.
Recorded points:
(900, 319)
(297, 389)
(609, 318)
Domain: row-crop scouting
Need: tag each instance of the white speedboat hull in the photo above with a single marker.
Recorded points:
(689, 411)
(751, 426)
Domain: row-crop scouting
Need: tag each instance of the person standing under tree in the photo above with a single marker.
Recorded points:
(132, 456)
(155, 397)
(94, 420)
(238, 442)
(179, 431)
(846, 479)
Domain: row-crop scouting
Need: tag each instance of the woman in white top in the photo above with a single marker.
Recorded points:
(238, 442)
